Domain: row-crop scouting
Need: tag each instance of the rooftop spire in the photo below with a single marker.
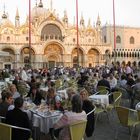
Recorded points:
(40, 4)
(17, 13)
(65, 19)
(51, 5)
(82, 20)
(89, 24)
(36, 3)
(98, 23)
(4, 14)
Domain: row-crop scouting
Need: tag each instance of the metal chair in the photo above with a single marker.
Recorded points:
(102, 88)
(125, 96)
(116, 100)
(102, 92)
(77, 130)
(2, 119)
(127, 118)
(6, 131)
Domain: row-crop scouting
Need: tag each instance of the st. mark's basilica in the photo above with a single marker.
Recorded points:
(54, 41)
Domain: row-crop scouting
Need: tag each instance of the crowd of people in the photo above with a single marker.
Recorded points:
(79, 84)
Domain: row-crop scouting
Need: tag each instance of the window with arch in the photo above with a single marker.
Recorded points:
(118, 39)
(51, 31)
(132, 40)
(8, 38)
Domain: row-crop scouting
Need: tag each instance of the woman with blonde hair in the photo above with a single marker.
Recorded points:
(88, 107)
(14, 91)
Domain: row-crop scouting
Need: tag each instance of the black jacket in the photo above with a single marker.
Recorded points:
(19, 118)
(87, 107)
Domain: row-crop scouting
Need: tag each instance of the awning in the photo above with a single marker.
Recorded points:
(3, 53)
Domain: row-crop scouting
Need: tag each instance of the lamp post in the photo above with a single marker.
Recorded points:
(114, 28)
(29, 33)
(77, 33)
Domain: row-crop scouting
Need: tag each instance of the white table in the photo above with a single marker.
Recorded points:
(44, 88)
(62, 93)
(103, 99)
(45, 122)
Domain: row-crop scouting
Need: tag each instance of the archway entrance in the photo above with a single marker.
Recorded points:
(25, 56)
(54, 55)
(52, 61)
(75, 59)
(93, 57)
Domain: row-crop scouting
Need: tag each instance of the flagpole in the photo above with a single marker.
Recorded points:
(77, 33)
(114, 28)
(29, 33)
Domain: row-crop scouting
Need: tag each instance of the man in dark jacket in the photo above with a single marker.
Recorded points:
(19, 118)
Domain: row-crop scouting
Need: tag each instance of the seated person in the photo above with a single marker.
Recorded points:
(77, 114)
(112, 81)
(58, 104)
(51, 97)
(16, 81)
(14, 91)
(36, 96)
(7, 100)
(70, 92)
(104, 82)
(87, 107)
(122, 81)
(18, 118)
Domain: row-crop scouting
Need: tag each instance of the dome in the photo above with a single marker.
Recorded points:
(5, 21)
(38, 11)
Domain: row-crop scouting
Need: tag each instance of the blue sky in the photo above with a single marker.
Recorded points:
(126, 11)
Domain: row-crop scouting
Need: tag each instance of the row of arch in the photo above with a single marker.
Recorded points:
(126, 54)
(124, 63)
(55, 53)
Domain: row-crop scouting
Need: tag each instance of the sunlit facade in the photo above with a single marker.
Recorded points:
(53, 41)
(127, 43)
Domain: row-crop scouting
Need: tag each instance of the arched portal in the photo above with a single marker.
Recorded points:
(53, 55)
(75, 59)
(93, 57)
(8, 61)
(25, 56)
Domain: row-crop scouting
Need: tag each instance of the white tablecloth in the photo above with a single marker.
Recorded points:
(103, 99)
(62, 93)
(44, 88)
(45, 122)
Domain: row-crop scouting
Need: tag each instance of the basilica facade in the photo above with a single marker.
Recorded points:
(53, 41)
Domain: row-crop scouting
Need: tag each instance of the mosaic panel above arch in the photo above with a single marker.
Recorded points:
(9, 50)
(74, 51)
(53, 48)
(26, 51)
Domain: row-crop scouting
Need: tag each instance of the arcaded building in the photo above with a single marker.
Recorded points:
(127, 43)
(53, 41)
